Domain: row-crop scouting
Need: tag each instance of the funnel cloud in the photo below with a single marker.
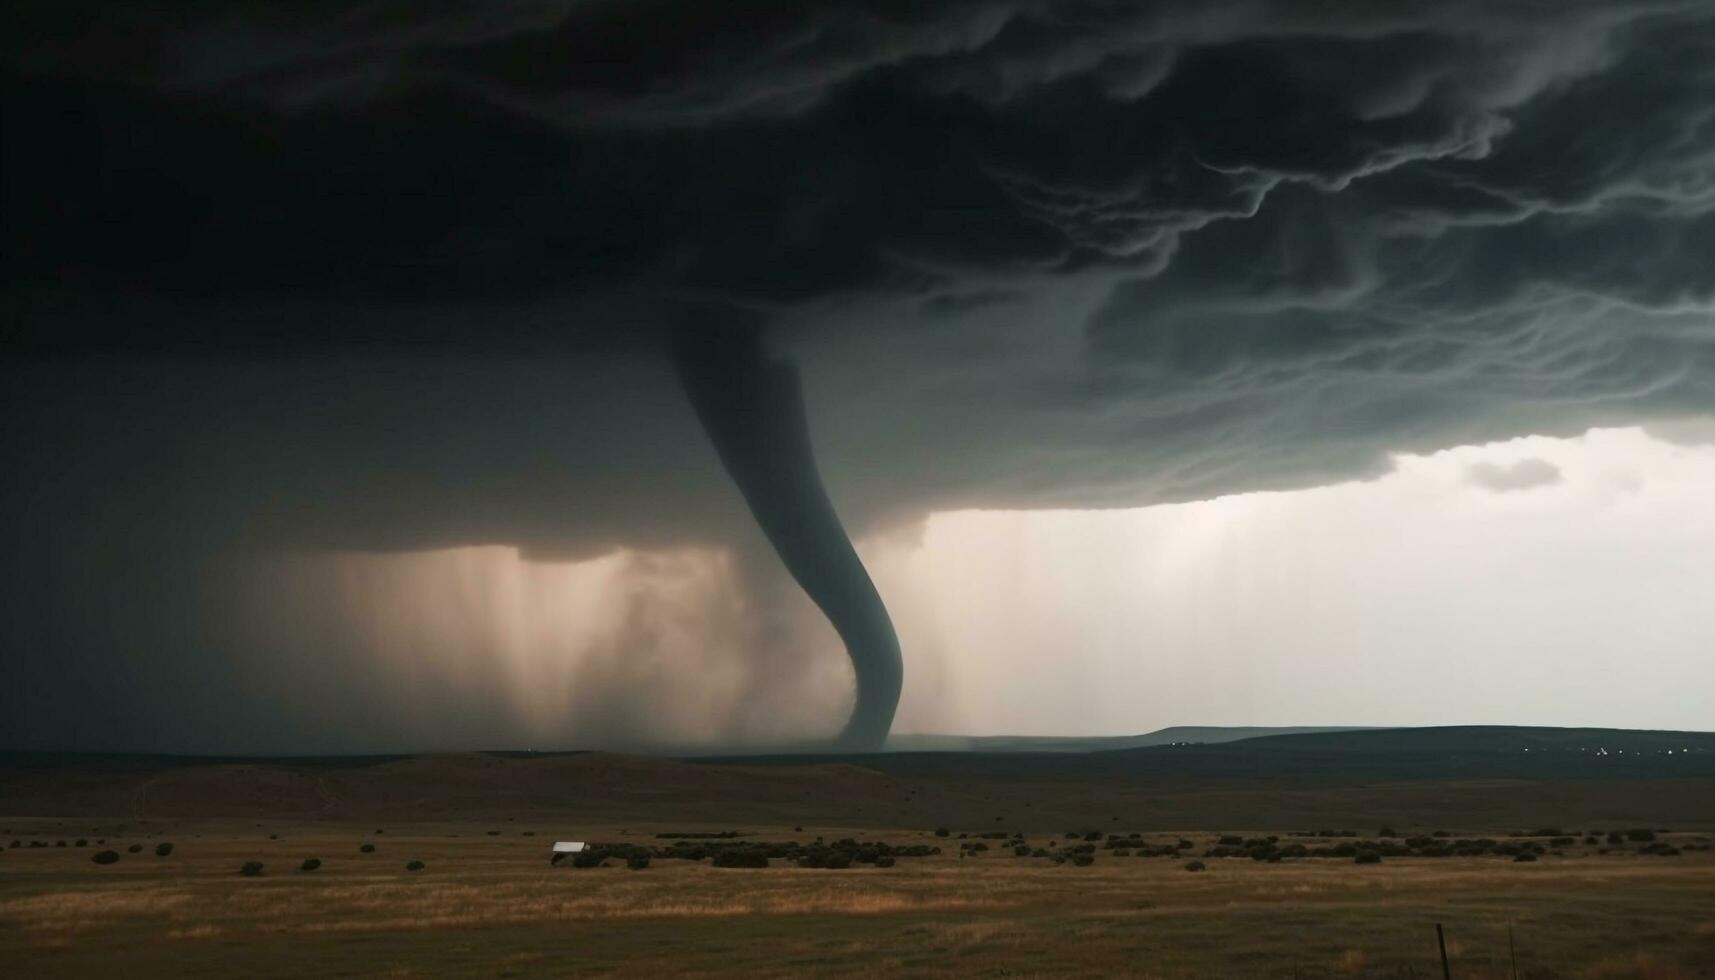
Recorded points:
(751, 404)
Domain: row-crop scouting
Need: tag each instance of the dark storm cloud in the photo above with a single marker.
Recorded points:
(378, 276)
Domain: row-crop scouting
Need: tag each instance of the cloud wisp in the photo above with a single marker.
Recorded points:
(1524, 474)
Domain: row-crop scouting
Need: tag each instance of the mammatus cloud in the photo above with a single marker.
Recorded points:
(1525, 474)
(375, 277)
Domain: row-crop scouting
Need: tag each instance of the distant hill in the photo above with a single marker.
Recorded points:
(1448, 752)
(1489, 738)
(1471, 776)
(1093, 743)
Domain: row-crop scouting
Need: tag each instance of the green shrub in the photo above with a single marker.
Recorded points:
(81, 842)
(637, 862)
(134, 849)
(1640, 834)
(251, 869)
(942, 832)
(163, 849)
(105, 857)
(414, 866)
(885, 861)
(1525, 856)
(367, 848)
(1195, 866)
(740, 858)
(587, 858)
(310, 864)
(1083, 860)
(1367, 857)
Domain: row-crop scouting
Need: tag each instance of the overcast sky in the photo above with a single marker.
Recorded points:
(1434, 595)
(407, 376)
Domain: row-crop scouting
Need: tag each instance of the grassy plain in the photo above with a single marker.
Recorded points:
(489, 905)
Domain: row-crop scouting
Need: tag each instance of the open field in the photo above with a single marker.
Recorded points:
(1460, 808)
(491, 906)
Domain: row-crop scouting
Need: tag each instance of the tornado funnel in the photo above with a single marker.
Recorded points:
(751, 404)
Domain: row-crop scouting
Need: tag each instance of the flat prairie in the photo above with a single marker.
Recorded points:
(1619, 881)
(492, 906)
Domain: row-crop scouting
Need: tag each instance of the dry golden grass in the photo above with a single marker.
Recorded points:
(1639, 966)
(418, 905)
(488, 906)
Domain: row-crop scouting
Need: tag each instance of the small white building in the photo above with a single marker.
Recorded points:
(562, 848)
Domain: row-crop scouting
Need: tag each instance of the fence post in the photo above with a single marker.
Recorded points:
(1512, 950)
(1441, 941)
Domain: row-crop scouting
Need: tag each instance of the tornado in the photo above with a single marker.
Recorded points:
(751, 405)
